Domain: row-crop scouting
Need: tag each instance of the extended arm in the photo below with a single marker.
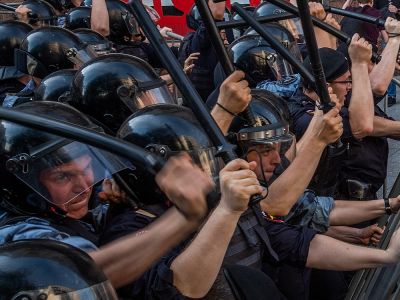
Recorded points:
(196, 269)
(382, 73)
(331, 254)
(363, 236)
(99, 20)
(324, 39)
(386, 127)
(322, 130)
(361, 107)
(127, 258)
(353, 212)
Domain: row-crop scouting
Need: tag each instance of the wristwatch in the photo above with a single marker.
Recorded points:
(388, 209)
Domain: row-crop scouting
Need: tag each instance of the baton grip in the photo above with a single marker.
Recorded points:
(175, 35)
(255, 199)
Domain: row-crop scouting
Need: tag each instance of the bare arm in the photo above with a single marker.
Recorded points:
(361, 107)
(324, 39)
(331, 254)
(234, 96)
(127, 258)
(99, 20)
(382, 73)
(385, 127)
(322, 130)
(353, 212)
(196, 269)
(363, 236)
(346, 4)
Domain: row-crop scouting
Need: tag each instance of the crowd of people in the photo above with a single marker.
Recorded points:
(71, 210)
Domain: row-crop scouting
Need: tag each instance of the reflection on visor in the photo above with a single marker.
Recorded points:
(130, 23)
(283, 145)
(28, 64)
(73, 168)
(145, 94)
(277, 64)
(159, 95)
(79, 57)
(206, 159)
(103, 291)
(101, 49)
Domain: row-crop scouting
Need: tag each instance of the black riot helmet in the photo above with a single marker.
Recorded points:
(123, 24)
(87, 3)
(283, 35)
(54, 85)
(42, 12)
(193, 17)
(272, 132)
(267, 9)
(111, 87)
(100, 44)
(254, 56)
(12, 34)
(38, 269)
(167, 130)
(238, 32)
(29, 158)
(49, 49)
(78, 17)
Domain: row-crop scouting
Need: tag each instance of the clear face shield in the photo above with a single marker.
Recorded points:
(101, 49)
(267, 62)
(28, 64)
(271, 146)
(102, 290)
(142, 94)
(81, 56)
(64, 172)
(130, 22)
(206, 158)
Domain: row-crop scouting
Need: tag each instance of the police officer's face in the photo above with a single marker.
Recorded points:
(68, 181)
(269, 154)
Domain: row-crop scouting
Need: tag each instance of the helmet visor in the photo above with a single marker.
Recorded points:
(81, 56)
(284, 145)
(130, 23)
(207, 160)
(270, 63)
(145, 94)
(102, 290)
(101, 48)
(64, 172)
(155, 17)
(29, 65)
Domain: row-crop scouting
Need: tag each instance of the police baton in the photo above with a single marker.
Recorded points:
(171, 63)
(342, 36)
(139, 156)
(31, 15)
(277, 45)
(354, 15)
(225, 149)
(175, 35)
(319, 76)
(219, 47)
(262, 20)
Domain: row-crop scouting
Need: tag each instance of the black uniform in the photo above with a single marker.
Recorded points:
(370, 175)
